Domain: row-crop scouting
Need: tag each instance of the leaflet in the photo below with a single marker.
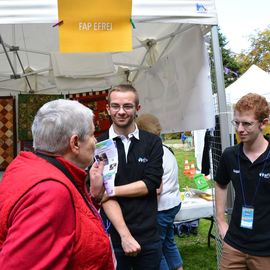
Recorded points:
(106, 151)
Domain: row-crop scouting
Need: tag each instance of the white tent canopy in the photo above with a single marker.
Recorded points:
(254, 80)
(45, 11)
(168, 65)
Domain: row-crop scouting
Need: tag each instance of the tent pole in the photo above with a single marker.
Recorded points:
(170, 41)
(16, 76)
(222, 107)
(26, 78)
(9, 47)
(142, 62)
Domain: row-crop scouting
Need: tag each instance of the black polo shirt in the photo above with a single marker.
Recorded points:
(144, 162)
(255, 176)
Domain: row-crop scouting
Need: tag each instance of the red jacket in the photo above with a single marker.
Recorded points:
(44, 221)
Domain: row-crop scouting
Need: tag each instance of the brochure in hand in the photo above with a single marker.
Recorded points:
(106, 151)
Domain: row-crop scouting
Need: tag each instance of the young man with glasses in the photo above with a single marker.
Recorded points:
(131, 214)
(246, 240)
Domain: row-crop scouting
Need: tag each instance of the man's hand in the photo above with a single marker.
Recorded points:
(96, 180)
(222, 229)
(130, 246)
(114, 213)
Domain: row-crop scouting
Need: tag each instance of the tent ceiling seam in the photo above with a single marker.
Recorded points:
(137, 72)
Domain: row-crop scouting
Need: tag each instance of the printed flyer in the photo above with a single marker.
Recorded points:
(106, 151)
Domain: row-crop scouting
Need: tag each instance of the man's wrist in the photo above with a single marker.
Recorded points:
(97, 199)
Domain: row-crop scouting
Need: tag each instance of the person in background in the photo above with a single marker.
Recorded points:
(132, 210)
(183, 137)
(48, 220)
(246, 240)
(169, 202)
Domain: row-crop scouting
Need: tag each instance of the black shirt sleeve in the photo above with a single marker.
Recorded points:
(154, 169)
(222, 175)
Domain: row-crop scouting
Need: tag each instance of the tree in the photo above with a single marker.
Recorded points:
(258, 53)
(230, 63)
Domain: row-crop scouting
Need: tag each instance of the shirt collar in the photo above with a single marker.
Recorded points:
(113, 135)
(240, 150)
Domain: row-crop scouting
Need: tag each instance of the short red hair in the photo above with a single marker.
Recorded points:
(253, 102)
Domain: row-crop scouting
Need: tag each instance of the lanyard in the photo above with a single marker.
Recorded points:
(242, 182)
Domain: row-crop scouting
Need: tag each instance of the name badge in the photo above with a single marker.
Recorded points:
(247, 217)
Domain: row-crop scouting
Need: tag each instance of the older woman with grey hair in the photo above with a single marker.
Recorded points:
(48, 219)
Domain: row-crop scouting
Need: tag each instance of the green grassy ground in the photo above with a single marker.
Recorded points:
(194, 250)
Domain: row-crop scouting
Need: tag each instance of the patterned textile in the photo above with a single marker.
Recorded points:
(27, 146)
(28, 106)
(97, 102)
(8, 140)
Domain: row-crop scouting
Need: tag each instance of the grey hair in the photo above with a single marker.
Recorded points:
(55, 123)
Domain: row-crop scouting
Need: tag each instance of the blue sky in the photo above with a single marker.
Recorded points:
(238, 19)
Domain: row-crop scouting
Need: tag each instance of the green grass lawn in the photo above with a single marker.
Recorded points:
(194, 250)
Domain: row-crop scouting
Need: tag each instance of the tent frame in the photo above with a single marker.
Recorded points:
(147, 43)
(222, 107)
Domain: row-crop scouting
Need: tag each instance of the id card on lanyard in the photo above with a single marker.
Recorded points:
(247, 216)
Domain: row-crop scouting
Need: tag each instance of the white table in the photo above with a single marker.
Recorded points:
(196, 208)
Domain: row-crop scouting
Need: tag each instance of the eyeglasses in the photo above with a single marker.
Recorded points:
(126, 107)
(246, 125)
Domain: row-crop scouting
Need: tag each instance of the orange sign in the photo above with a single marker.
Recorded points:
(95, 25)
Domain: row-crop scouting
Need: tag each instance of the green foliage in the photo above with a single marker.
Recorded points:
(172, 136)
(258, 53)
(175, 136)
(229, 61)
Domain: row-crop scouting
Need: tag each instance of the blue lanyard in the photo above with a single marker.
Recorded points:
(107, 225)
(242, 182)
